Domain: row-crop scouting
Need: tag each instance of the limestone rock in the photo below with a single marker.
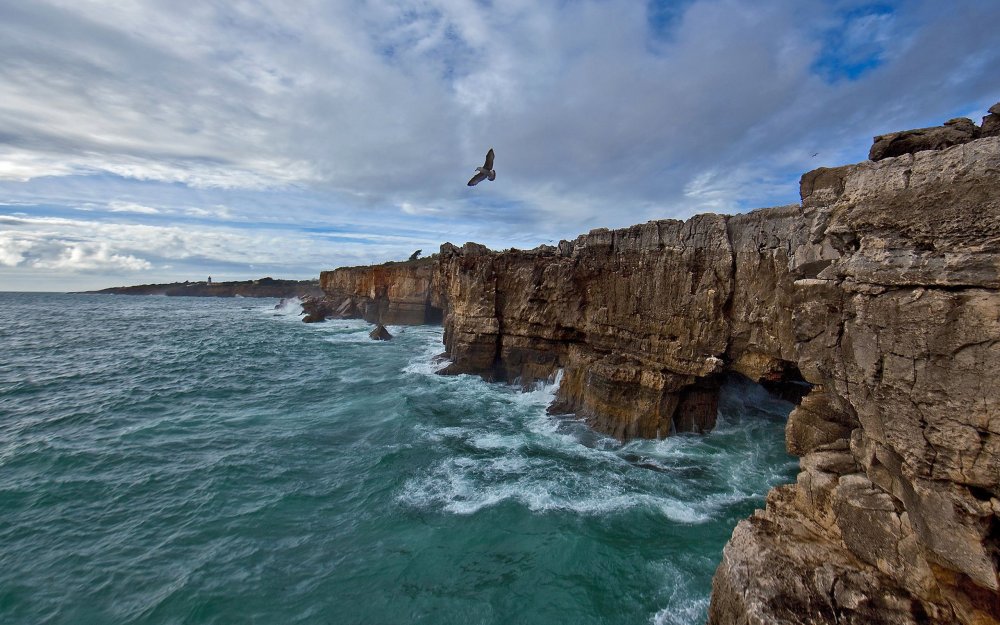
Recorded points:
(380, 334)
(393, 293)
(953, 132)
(316, 309)
(880, 291)
(991, 123)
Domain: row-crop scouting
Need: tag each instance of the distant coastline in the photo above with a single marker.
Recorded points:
(262, 287)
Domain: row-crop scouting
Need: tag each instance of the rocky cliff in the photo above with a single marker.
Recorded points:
(878, 295)
(893, 518)
(392, 293)
(879, 290)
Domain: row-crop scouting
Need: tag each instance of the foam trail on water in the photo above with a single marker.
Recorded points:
(685, 605)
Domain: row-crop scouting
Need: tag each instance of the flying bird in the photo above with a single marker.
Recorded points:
(484, 172)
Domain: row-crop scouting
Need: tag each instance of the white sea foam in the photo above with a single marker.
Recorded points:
(466, 485)
(685, 605)
(291, 307)
(492, 440)
(507, 449)
(350, 331)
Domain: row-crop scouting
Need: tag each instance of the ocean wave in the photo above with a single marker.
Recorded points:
(686, 604)
(161, 454)
(465, 485)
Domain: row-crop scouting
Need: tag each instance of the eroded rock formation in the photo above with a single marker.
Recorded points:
(380, 334)
(893, 518)
(880, 292)
(636, 320)
(393, 293)
(952, 132)
(880, 289)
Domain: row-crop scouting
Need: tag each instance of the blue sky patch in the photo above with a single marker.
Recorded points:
(857, 43)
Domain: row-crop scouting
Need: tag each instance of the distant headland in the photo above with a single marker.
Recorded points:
(261, 287)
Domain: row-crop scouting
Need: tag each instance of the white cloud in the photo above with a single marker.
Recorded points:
(34, 250)
(12, 250)
(78, 257)
(379, 111)
(217, 211)
(79, 246)
(119, 206)
(419, 209)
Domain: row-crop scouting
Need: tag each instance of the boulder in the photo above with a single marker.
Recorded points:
(991, 123)
(954, 132)
(316, 309)
(380, 334)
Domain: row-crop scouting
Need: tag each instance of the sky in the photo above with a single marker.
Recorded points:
(157, 141)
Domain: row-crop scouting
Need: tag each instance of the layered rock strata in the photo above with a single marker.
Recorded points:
(636, 319)
(392, 294)
(880, 290)
(879, 293)
(893, 518)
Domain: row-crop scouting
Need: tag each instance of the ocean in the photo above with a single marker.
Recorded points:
(199, 460)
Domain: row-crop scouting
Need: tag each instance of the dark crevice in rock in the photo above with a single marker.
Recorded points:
(786, 382)
(697, 406)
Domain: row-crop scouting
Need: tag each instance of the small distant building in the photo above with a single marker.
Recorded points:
(210, 279)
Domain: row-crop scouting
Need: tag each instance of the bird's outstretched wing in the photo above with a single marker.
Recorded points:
(489, 160)
(477, 179)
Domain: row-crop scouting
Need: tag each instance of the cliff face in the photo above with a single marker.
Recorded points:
(878, 296)
(393, 293)
(893, 518)
(635, 318)
(880, 290)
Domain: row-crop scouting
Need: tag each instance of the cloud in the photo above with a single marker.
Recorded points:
(39, 252)
(415, 209)
(85, 246)
(858, 42)
(78, 257)
(371, 116)
(119, 206)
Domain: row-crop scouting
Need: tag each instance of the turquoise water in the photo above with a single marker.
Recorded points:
(186, 460)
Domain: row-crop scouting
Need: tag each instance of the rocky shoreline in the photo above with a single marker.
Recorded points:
(878, 295)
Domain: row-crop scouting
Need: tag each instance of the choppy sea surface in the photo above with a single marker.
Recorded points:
(197, 460)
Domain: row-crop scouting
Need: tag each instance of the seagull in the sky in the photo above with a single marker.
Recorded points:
(484, 172)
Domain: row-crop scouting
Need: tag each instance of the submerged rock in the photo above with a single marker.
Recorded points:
(315, 309)
(380, 334)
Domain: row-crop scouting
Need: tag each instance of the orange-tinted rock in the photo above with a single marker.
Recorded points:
(392, 293)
